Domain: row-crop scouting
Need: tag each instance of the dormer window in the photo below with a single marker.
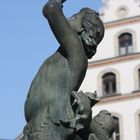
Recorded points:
(125, 44)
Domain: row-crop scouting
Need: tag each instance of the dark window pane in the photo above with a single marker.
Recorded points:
(139, 77)
(117, 137)
(109, 83)
(106, 87)
(116, 134)
(114, 86)
(125, 43)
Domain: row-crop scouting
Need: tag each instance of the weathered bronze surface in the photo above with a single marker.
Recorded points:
(54, 109)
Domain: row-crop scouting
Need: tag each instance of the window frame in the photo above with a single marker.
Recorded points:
(116, 44)
(119, 116)
(125, 42)
(100, 83)
(108, 81)
(116, 134)
(137, 124)
(138, 78)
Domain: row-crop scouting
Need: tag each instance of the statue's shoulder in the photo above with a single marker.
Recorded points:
(54, 61)
(51, 59)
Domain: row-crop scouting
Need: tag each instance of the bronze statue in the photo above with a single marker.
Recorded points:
(53, 108)
(102, 126)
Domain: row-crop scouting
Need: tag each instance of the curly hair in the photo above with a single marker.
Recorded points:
(91, 21)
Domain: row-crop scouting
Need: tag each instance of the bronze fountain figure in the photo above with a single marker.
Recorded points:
(54, 108)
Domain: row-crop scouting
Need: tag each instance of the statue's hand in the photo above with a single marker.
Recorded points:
(61, 1)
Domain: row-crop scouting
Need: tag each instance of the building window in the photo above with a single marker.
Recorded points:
(139, 78)
(125, 44)
(109, 84)
(116, 134)
(137, 121)
(138, 134)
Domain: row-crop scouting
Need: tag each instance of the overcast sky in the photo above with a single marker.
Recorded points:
(25, 42)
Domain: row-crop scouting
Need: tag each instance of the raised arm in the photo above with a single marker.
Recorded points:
(66, 36)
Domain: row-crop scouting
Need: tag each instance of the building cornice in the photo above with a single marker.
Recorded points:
(122, 22)
(114, 60)
(119, 98)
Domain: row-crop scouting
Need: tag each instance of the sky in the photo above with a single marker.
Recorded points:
(25, 42)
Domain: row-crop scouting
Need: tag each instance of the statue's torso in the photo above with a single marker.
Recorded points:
(52, 84)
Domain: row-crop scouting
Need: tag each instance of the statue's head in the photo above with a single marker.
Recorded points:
(103, 125)
(90, 29)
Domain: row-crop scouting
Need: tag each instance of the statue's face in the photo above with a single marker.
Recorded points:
(89, 43)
